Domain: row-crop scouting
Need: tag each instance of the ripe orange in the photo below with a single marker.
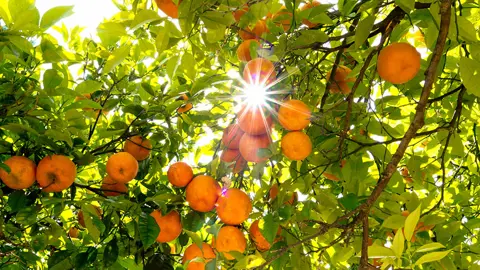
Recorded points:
(340, 81)
(254, 121)
(193, 251)
(256, 32)
(283, 18)
(398, 63)
(234, 206)
(296, 145)
(259, 71)
(232, 135)
(183, 97)
(274, 192)
(257, 237)
(229, 155)
(237, 14)
(250, 144)
(170, 225)
(56, 173)
(111, 187)
(81, 217)
(243, 50)
(122, 167)
(405, 213)
(73, 232)
(228, 239)
(138, 147)
(202, 193)
(179, 174)
(294, 115)
(310, 5)
(168, 7)
(185, 108)
(83, 97)
(22, 173)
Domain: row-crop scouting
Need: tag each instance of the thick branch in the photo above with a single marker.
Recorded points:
(418, 121)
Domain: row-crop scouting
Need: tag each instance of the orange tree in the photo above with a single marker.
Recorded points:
(354, 144)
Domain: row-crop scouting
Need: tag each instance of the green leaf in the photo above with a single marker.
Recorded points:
(456, 145)
(111, 32)
(91, 221)
(429, 247)
(116, 58)
(21, 43)
(195, 237)
(406, 5)
(470, 75)
(376, 251)
(431, 257)
(17, 200)
(394, 222)
(88, 86)
(269, 227)
(142, 17)
(411, 223)
(60, 260)
(350, 201)
(217, 20)
(54, 15)
(19, 128)
(148, 228)
(466, 29)
(363, 30)
(398, 244)
(51, 79)
(110, 254)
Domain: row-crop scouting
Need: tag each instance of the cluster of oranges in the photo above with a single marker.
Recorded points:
(204, 194)
(282, 18)
(233, 207)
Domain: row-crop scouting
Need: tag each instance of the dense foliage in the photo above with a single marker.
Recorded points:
(394, 169)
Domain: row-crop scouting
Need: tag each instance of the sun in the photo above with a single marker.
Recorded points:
(255, 95)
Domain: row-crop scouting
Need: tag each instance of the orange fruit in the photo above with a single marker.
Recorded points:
(330, 176)
(185, 108)
(179, 174)
(202, 193)
(237, 14)
(111, 187)
(256, 32)
(398, 63)
(168, 7)
(138, 147)
(56, 173)
(259, 71)
(234, 206)
(405, 213)
(243, 50)
(183, 97)
(339, 83)
(274, 192)
(21, 175)
(228, 239)
(73, 232)
(283, 18)
(170, 225)
(83, 97)
(229, 155)
(232, 135)
(254, 121)
(250, 144)
(294, 115)
(296, 145)
(193, 251)
(81, 217)
(257, 237)
(122, 167)
(310, 5)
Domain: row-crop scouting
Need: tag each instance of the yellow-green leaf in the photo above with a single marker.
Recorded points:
(431, 257)
(411, 223)
(116, 58)
(398, 244)
(429, 247)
